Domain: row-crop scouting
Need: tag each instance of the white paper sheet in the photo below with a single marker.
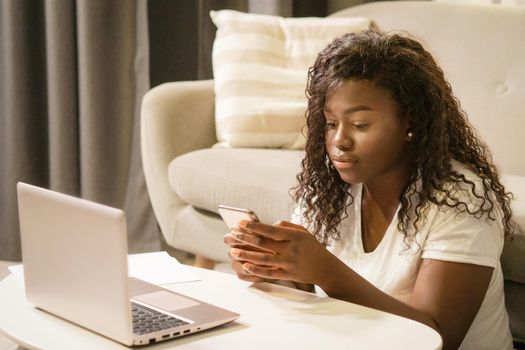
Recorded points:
(156, 268)
(18, 271)
(159, 268)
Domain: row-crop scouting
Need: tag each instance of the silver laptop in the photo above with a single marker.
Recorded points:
(75, 266)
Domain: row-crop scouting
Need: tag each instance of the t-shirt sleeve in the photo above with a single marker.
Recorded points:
(299, 219)
(297, 215)
(464, 238)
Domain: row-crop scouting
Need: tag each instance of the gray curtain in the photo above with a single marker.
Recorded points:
(72, 74)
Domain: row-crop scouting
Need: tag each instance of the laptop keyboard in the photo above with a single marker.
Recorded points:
(146, 320)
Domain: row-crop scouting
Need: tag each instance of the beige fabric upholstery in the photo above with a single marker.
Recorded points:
(262, 185)
(480, 49)
(175, 119)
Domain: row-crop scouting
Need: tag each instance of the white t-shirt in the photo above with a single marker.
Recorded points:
(446, 236)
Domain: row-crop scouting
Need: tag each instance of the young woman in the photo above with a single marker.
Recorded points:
(399, 205)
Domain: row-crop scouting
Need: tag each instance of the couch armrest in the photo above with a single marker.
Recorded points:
(176, 118)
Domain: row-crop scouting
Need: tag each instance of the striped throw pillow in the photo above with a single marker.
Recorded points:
(260, 66)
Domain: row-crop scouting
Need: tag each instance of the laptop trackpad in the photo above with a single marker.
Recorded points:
(166, 301)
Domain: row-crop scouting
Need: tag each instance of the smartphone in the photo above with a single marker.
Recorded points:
(232, 216)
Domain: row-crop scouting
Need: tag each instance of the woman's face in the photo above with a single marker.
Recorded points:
(365, 137)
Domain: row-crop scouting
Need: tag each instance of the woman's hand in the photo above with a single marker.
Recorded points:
(285, 251)
(236, 264)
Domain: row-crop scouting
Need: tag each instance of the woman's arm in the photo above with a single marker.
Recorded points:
(446, 297)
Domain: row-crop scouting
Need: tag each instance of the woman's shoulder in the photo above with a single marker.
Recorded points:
(466, 186)
(468, 174)
(465, 198)
(469, 227)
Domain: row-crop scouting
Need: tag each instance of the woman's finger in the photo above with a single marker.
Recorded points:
(241, 273)
(270, 231)
(265, 272)
(289, 224)
(258, 242)
(239, 240)
(255, 257)
(230, 240)
(250, 277)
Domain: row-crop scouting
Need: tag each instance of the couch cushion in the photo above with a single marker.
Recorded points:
(515, 304)
(260, 66)
(513, 258)
(248, 178)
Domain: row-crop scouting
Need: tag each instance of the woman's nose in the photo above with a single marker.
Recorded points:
(343, 138)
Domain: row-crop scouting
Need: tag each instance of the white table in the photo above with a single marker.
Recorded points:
(272, 317)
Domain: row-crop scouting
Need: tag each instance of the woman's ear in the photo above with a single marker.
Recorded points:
(408, 132)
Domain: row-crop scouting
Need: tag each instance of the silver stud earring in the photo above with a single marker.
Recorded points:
(410, 135)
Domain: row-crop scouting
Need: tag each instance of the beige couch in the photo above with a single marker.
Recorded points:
(481, 51)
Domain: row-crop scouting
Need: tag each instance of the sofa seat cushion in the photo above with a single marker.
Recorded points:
(257, 179)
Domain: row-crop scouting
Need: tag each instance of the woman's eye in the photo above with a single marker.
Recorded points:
(360, 126)
(330, 125)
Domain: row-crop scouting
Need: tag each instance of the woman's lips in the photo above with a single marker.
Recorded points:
(344, 163)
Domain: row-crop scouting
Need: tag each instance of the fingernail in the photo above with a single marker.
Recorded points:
(244, 223)
(235, 235)
(246, 268)
(235, 252)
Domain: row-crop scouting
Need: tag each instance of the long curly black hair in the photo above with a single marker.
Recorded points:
(401, 66)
